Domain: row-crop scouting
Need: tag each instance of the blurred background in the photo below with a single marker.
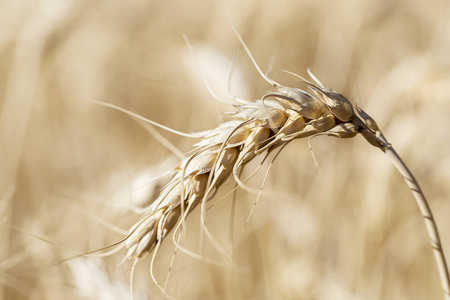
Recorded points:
(71, 170)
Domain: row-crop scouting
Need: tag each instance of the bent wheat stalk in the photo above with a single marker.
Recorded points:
(258, 127)
(427, 216)
(374, 136)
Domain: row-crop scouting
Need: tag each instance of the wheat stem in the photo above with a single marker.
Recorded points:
(427, 216)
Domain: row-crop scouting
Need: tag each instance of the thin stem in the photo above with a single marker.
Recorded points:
(427, 216)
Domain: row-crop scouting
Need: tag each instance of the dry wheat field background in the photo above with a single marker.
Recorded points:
(73, 174)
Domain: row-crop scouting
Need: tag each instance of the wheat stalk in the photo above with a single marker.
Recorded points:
(257, 128)
(427, 215)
